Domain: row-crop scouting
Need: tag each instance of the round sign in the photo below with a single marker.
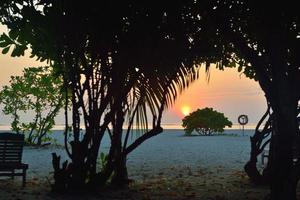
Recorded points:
(243, 119)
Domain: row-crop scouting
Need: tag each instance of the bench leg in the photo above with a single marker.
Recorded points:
(24, 178)
(13, 174)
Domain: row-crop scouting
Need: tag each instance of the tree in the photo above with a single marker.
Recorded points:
(205, 121)
(37, 90)
(112, 76)
(262, 40)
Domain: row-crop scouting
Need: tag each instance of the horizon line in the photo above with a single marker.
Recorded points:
(165, 126)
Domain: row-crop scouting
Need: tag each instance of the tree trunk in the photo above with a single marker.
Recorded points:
(120, 177)
(78, 168)
(284, 172)
(257, 146)
(61, 178)
(251, 169)
(39, 140)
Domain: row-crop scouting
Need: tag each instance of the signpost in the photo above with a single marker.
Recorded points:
(243, 120)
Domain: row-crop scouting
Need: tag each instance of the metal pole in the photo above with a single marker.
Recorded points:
(243, 130)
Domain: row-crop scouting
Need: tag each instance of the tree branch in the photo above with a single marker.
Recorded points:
(155, 131)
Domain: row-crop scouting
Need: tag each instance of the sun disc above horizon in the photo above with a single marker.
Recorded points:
(185, 110)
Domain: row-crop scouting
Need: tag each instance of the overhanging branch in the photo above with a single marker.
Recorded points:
(155, 131)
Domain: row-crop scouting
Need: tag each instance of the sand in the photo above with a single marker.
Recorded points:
(184, 183)
(166, 167)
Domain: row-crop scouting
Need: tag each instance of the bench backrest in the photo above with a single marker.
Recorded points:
(11, 147)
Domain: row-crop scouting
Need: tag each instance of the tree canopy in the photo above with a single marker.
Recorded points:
(205, 121)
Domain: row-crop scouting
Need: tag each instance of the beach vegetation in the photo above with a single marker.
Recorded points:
(206, 121)
(38, 91)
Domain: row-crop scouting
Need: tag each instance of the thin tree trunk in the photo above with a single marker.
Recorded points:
(77, 167)
(257, 146)
(120, 177)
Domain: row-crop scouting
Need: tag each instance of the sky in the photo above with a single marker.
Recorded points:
(226, 91)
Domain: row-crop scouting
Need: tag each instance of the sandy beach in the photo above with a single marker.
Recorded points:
(169, 166)
(183, 184)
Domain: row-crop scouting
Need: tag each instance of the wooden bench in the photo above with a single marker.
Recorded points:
(11, 148)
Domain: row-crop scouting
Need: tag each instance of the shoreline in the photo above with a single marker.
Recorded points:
(164, 126)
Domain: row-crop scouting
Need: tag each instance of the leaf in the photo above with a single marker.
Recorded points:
(5, 50)
(13, 34)
(240, 68)
(5, 38)
(4, 44)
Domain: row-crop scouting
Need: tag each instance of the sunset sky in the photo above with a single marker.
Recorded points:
(227, 91)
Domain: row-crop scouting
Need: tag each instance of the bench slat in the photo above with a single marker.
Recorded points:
(5, 151)
(11, 150)
(11, 153)
(11, 146)
(10, 158)
(11, 136)
(8, 143)
(10, 174)
(16, 140)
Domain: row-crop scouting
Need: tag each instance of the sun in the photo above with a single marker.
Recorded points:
(185, 110)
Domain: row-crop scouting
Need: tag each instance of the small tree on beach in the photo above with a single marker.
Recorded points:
(36, 90)
(205, 122)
